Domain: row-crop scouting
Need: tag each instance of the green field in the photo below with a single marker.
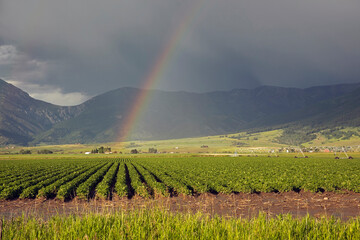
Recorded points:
(86, 177)
(146, 176)
(215, 144)
(220, 144)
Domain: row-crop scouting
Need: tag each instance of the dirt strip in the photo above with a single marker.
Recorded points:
(341, 205)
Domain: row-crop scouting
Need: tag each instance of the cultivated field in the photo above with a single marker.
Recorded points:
(179, 196)
(148, 177)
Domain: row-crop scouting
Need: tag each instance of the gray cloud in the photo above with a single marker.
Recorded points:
(93, 46)
(15, 64)
(31, 75)
(50, 93)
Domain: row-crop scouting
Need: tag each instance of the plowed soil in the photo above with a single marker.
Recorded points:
(343, 205)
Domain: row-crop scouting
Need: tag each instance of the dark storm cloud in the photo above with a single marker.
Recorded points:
(87, 47)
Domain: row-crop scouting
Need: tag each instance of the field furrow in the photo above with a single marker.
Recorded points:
(122, 184)
(84, 190)
(103, 189)
(136, 182)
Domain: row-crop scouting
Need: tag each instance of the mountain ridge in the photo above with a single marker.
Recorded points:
(167, 115)
(22, 117)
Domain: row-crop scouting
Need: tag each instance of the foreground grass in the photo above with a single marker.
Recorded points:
(159, 224)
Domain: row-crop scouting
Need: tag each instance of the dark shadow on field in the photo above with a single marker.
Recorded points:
(70, 197)
(296, 189)
(92, 191)
(210, 191)
(142, 179)
(193, 192)
(112, 185)
(213, 191)
(131, 190)
(170, 189)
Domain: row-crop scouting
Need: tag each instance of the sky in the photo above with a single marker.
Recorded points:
(65, 52)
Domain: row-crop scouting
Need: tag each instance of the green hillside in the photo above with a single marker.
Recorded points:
(242, 142)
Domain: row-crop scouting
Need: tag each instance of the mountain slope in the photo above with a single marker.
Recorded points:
(169, 115)
(304, 125)
(343, 110)
(340, 111)
(22, 117)
(181, 114)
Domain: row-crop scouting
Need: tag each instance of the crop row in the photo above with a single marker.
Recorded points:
(16, 180)
(151, 177)
(15, 188)
(121, 184)
(103, 189)
(84, 189)
(228, 175)
(68, 189)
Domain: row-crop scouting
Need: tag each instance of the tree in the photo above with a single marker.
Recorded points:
(134, 151)
(101, 149)
(45, 151)
(22, 151)
(152, 150)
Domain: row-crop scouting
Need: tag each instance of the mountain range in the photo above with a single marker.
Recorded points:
(166, 115)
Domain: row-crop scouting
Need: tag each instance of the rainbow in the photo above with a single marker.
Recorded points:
(156, 72)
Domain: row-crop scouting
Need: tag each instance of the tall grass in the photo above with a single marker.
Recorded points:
(159, 224)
